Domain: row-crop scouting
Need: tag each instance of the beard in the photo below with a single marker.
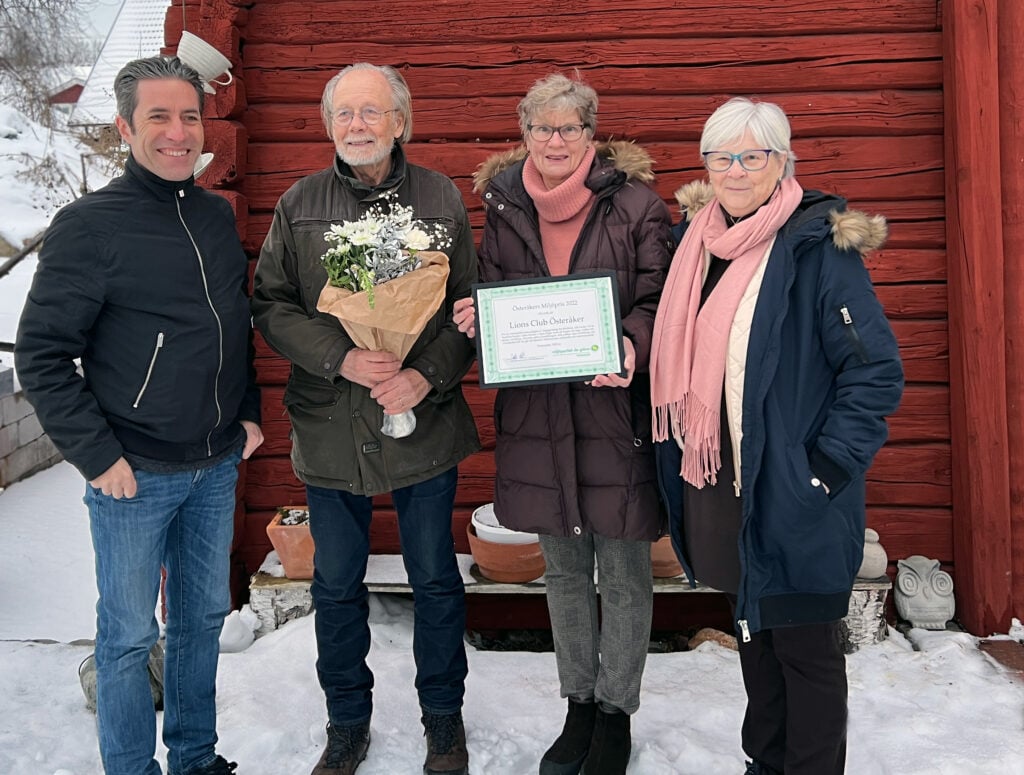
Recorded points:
(367, 155)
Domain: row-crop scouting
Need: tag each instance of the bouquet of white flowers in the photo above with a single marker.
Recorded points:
(383, 284)
(379, 247)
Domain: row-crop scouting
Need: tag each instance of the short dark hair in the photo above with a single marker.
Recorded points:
(126, 85)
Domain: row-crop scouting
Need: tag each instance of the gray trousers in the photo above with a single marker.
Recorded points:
(601, 663)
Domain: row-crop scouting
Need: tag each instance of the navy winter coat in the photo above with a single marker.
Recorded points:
(822, 373)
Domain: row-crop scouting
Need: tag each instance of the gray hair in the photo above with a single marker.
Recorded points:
(766, 121)
(556, 92)
(126, 84)
(400, 95)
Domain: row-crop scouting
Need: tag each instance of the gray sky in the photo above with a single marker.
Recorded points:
(101, 14)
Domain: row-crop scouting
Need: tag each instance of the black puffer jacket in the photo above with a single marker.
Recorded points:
(145, 280)
(570, 458)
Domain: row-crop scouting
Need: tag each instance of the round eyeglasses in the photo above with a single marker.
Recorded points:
(751, 160)
(371, 116)
(542, 132)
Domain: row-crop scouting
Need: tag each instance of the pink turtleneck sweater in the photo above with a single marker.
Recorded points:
(561, 210)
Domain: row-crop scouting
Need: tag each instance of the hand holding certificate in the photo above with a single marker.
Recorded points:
(564, 329)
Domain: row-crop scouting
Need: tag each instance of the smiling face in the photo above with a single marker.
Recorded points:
(166, 134)
(555, 159)
(741, 192)
(366, 148)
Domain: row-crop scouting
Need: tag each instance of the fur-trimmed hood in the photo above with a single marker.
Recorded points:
(851, 229)
(626, 155)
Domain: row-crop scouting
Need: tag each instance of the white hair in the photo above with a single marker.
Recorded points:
(766, 122)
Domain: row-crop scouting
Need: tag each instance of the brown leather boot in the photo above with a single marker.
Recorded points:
(446, 745)
(346, 748)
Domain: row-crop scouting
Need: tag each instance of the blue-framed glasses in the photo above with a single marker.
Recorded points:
(751, 160)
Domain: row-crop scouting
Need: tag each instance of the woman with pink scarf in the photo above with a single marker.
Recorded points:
(574, 460)
(773, 369)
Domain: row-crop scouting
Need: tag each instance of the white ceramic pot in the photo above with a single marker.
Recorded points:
(488, 528)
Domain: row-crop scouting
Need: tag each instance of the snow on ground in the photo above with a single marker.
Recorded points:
(944, 710)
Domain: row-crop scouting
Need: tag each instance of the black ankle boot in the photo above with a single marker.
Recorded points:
(610, 745)
(566, 754)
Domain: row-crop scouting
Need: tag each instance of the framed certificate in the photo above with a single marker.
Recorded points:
(561, 329)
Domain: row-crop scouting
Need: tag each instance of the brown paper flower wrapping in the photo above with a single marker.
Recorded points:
(401, 310)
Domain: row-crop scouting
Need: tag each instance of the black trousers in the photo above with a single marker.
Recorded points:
(795, 679)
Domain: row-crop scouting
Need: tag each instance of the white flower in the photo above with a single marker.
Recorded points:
(417, 239)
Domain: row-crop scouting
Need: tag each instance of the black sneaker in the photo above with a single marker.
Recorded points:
(446, 745)
(346, 749)
(219, 766)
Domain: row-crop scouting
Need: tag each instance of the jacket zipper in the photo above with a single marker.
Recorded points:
(745, 630)
(852, 334)
(216, 317)
(149, 371)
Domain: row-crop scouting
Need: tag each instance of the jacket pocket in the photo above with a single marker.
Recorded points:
(804, 483)
(157, 347)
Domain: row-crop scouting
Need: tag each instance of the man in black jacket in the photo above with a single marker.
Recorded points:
(145, 281)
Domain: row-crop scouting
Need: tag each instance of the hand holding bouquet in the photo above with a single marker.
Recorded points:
(383, 284)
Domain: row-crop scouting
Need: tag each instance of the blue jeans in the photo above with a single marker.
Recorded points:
(183, 521)
(340, 524)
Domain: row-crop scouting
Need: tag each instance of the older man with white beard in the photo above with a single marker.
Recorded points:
(336, 398)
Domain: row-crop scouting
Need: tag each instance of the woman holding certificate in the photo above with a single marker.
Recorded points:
(772, 372)
(574, 459)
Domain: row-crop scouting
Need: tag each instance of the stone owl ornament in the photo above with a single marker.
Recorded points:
(924, 593)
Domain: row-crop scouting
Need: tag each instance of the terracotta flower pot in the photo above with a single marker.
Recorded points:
(508, 563)
(293, 543)
(664, 563)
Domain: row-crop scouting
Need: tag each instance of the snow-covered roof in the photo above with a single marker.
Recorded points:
(138, 31)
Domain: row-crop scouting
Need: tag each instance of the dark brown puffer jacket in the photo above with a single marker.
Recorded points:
(572, 459)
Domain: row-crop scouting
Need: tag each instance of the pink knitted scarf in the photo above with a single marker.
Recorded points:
(688, 351)
(561, 210)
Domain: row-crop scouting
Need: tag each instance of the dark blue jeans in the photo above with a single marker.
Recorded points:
(340, 524)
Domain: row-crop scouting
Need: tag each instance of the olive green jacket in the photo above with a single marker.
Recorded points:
(336, 438)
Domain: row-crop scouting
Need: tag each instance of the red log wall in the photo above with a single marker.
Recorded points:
(862, 84)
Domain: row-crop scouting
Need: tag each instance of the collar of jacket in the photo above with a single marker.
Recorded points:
(366, 192)
(817, 214)
(164, 190)
(616, 161)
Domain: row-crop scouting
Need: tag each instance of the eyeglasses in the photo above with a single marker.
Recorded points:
(542, 132)
(370, 116)
(750, 160)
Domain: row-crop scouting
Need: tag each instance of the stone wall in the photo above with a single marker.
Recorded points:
(24, 448)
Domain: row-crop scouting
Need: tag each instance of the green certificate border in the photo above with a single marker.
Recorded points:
(601, 291)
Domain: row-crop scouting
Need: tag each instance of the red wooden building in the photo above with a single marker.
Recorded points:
(909, 108)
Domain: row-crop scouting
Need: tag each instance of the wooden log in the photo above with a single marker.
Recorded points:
(913, 301)
(978, 376)
(410, 22)
(923, 415)
(227, 141)
(287, 73)
(911, 530)
(1011, 138)
(909, 475)
(637, 116)
(906, 265)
